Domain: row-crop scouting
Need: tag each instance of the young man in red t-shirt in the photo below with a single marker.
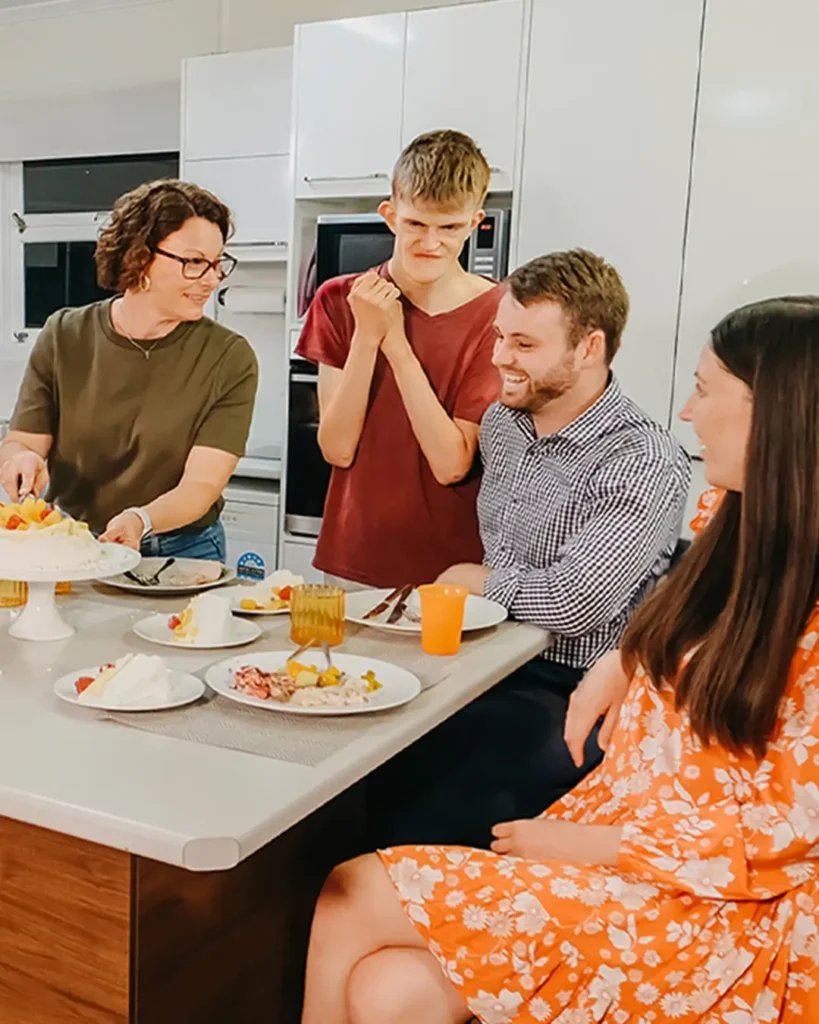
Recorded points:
(405, 375)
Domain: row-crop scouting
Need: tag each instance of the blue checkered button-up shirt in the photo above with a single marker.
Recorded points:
(578, 524)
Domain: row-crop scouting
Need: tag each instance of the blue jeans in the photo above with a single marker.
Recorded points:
(209, 544)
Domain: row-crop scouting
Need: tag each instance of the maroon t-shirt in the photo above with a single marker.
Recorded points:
(387, 521)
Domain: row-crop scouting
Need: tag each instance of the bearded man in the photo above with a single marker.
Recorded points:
(580, 510)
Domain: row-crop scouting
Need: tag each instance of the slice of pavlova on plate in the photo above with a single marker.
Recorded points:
(207, 619)
(271, 594)
(133, 681)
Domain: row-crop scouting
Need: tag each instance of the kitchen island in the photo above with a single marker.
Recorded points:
(146, 877)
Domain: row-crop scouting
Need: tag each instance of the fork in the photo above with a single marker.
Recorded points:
(325, 649)
(153, 579)
(300, 650)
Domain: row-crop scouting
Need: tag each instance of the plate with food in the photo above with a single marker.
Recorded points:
(135, 682)
(206, 621)
(399, 610)
(40, 543)
(270, 596)
(305, 686)
(173, 576)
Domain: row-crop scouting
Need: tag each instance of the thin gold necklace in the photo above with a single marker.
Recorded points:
(145, 351)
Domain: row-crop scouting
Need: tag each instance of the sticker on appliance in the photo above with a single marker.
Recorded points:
(250, 566)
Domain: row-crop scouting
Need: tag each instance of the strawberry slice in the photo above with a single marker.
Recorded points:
(46, 512)
(174, 622)
(14, 521)
(83, 683)
(285, 593)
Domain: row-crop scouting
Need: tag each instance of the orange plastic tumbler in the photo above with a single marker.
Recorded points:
(442, 617)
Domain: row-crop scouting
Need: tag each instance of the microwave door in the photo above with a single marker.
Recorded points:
(351, 247)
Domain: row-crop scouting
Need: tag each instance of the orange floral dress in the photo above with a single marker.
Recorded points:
(712, 913)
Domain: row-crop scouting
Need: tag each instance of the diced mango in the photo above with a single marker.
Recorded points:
(52, 518)
(248, 604)
(372, 683)
(306, 679)
(330, 677)
(27, 509)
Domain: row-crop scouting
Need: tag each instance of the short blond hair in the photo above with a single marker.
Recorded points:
(444, 167)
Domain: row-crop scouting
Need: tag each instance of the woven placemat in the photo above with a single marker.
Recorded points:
(299, 739)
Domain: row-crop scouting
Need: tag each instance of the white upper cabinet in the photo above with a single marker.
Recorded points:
(257, 190)
(462, 71)
(609, 120)
(349, 94)
(755, 192)
(237, 104)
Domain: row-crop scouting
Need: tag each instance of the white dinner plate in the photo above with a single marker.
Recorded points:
(185, 689)
(479, 613)
(398, 686)
(156, 630)
(185, 576)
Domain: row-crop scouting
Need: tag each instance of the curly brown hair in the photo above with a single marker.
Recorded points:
(589, 290)
(142, 219)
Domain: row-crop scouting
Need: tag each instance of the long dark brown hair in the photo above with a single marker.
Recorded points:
(741, 597)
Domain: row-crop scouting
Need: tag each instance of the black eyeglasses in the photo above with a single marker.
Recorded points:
(194, 268)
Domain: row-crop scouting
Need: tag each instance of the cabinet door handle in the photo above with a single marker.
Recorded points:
(304, 378)
(375, 176)
(21, 337)
(496, 170)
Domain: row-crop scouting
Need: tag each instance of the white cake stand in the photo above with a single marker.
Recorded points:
(40, 619)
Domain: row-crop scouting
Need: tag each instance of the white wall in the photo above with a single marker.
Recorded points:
(107, 81)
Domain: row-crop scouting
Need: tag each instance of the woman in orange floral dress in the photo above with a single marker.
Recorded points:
(680, 881)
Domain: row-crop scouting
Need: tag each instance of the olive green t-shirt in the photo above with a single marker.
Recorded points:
(123, 425)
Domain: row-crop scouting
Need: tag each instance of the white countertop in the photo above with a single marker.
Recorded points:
(187, 804)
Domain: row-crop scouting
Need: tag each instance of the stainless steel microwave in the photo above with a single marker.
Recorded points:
(352, 243)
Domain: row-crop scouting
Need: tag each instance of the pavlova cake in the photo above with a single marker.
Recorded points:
(135, 681)
(36, 537)
(271, 594)
(206, 620)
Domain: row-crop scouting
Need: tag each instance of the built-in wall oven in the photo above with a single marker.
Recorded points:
(308, 475)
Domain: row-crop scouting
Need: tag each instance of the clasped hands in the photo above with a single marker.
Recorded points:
(379, 315)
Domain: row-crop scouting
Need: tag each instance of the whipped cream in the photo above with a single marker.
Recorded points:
(206, 620)
(136, 680)
(270, 588)
(67, 546)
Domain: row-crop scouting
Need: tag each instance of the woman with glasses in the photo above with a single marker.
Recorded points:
(134, 411)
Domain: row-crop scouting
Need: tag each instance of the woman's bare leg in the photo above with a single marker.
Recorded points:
(358, 913)
(403, 986)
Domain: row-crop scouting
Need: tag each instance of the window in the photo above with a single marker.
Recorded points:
(80, 186)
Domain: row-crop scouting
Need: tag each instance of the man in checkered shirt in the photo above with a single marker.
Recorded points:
(580, 511)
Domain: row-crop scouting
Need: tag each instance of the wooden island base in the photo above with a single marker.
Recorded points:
(91, 935)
